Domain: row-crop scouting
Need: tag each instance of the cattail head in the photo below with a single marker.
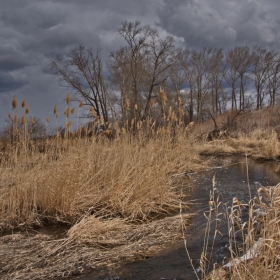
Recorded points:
(55, 110)
(170, 112)
(23, 119)
(27, 111)
(67, 112)
(116, 125)
(96, 121)
(14, 102)
(181, 112)
(127, 104)
(23, 104)
(47, 119)
(162, 96)
(108, 132)
(152, 102)
(72, 111)
(68, 98)
(139, 125)
(81, 104)
(92, 111)
(15, 119)
(135, 106)
(180, 102)
(32, 120)
(68, 124)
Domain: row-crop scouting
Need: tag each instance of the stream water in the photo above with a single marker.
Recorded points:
(234, 178)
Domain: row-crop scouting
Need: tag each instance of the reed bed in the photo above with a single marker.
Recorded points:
(123, 179)
(117, 192)
(258, 257)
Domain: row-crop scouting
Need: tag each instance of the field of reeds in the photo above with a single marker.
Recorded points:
(116, 194)
(258, 255)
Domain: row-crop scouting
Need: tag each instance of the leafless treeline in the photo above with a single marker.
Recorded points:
(194, 83)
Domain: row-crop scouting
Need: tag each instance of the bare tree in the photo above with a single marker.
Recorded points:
(201, 63)
(83, 72)
(274, 77)
(261, 74)
(140, 67)
(217, 70)
(178, 80)
(239, 62)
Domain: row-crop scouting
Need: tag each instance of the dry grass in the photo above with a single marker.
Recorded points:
(111, 192)
(126, 178)
(258, 256)
(257, 144)
(92, 243)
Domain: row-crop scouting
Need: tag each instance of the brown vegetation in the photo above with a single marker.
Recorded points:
(258, 257)
(110, 182)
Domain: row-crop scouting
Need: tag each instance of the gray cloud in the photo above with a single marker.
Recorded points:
(33, 32)
(214, 23)
(10, 82)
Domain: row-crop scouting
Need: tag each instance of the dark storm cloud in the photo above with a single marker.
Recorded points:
(33, 32)
(9, 82)
(220, 23)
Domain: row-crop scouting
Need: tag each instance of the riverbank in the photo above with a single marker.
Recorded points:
(120, 198)
(101, 247)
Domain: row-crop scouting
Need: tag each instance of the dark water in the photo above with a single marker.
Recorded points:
(234, 178)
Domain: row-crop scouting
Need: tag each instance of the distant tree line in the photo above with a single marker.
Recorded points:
(148, 76)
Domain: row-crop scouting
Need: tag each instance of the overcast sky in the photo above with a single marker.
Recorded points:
(33, 32)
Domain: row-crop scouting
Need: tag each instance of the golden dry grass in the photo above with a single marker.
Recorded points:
(261, 240)
(128, 179)
(112, 191)
(92, 243)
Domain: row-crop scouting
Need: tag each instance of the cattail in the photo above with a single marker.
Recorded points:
(68, 124)
(23, 104)
(180, 102)
(116, 125)
(14, 102)
(32, 120)
(135, 106)
(23, 119)
(81, 104)
(55, 110)
(170, 112)
(47, 119)
(72, 111)
(181, 112)
(139, 125)
(67, 112)
(127, 104)
(108, 132)
(9, 116)
(162, 96)
(173, 117)
(123, 131)
(96, 121)
(57, 131)
(152, 102)
(15, 119)
(68, 98)
(27, 111)
(92, 111)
